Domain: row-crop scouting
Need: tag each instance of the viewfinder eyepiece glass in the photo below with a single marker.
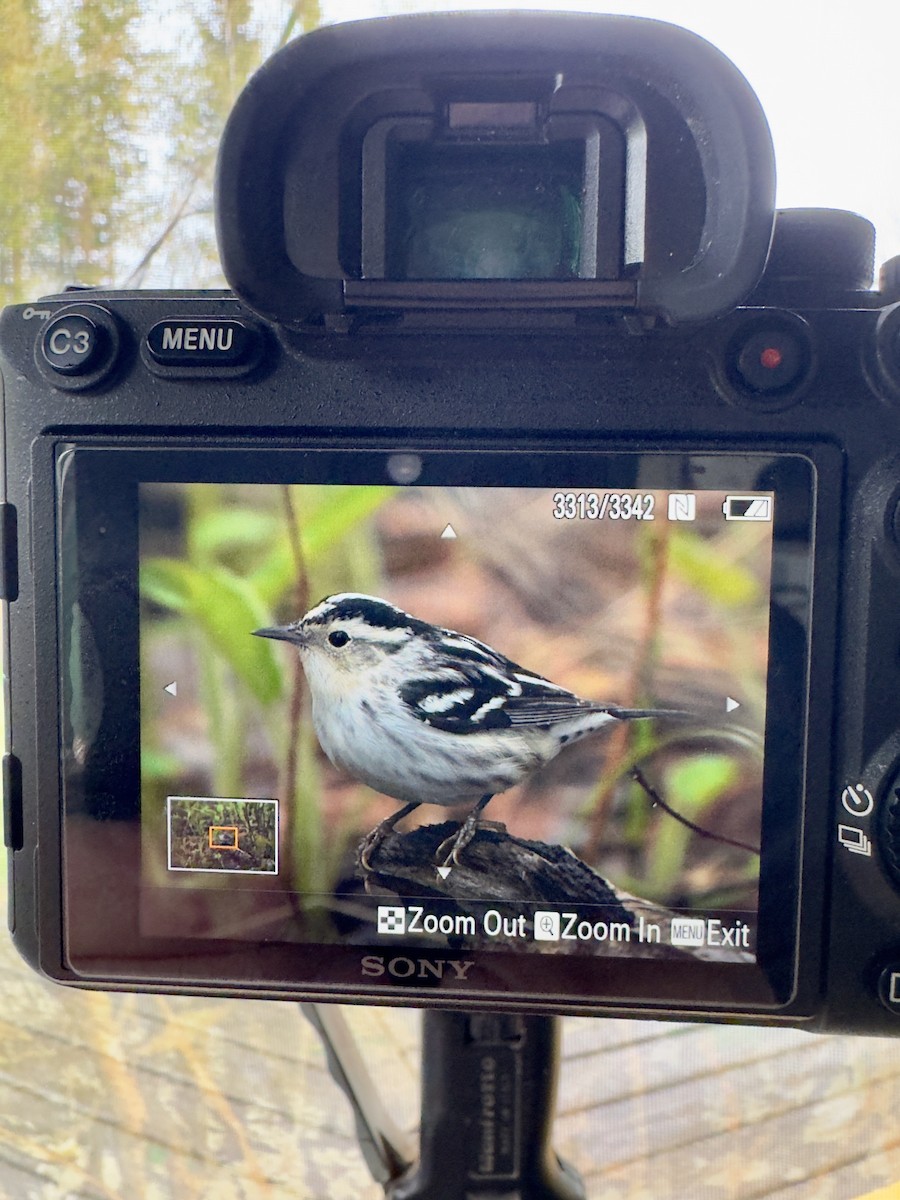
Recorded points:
(486, 212)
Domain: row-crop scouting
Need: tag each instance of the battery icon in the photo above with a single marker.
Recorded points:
(747, 508)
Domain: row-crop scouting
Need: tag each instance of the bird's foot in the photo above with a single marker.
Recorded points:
(369, 845)
(373, 840)
(448, 852)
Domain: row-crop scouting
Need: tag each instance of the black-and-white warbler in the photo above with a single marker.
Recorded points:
(428, 715)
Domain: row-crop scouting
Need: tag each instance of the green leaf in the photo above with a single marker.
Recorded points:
(163, 582)
(700, 564)
(343, 511)
(231, 527)
(228, 609)
(338, 515)
(695, 782)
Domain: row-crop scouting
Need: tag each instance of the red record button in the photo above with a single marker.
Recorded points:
(771, 360)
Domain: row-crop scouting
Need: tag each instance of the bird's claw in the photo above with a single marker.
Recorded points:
(368, 846)
(448, 852)
(373, 840)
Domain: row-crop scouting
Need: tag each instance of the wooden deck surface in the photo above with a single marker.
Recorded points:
(126, 1097)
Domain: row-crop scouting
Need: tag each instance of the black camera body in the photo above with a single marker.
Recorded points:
(512, 277)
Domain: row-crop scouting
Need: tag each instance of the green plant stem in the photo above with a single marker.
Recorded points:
(654, 578)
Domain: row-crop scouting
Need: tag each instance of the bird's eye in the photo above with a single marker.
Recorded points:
(339, 637)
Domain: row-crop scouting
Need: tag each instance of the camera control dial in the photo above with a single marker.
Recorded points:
(889, 834)
(887, 347)
(821, 248)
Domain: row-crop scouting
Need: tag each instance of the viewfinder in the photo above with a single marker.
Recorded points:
(449, 166)
(486, 211)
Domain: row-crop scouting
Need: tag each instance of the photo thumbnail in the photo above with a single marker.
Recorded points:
(208, 833)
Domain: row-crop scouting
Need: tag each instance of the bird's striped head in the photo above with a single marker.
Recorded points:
(348, 633)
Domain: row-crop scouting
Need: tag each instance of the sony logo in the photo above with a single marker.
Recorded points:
(376, 965)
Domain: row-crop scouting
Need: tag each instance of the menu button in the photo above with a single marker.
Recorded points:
(200, 343)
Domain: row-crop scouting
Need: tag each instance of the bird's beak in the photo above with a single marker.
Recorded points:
(282, 633)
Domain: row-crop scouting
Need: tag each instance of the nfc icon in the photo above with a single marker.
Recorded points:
(682, 506)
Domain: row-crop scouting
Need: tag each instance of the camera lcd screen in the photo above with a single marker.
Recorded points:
(648, 857)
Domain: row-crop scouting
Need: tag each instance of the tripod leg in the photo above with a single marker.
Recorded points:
(388, 1151)
(488, 1092)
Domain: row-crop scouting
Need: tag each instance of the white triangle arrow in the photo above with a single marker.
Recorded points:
(172, 688)
(449, 532)
(731, 704)
(444, 871)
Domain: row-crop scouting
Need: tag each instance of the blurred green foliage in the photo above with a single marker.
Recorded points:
(243, 558)
(223, 607)
(699, 563)
(110, 116)
(691, 785)
(680, 560)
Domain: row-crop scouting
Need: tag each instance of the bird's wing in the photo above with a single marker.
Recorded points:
(468, 699)
(477, 689)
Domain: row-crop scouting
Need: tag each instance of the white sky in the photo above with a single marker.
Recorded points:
(826, 74)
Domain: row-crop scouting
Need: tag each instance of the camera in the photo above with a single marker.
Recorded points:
(522, 371)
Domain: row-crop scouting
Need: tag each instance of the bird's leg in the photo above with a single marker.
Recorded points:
(458, 841)
(374, 839)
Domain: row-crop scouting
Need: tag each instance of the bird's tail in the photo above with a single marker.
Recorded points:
(710, 727)
(637, 714)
